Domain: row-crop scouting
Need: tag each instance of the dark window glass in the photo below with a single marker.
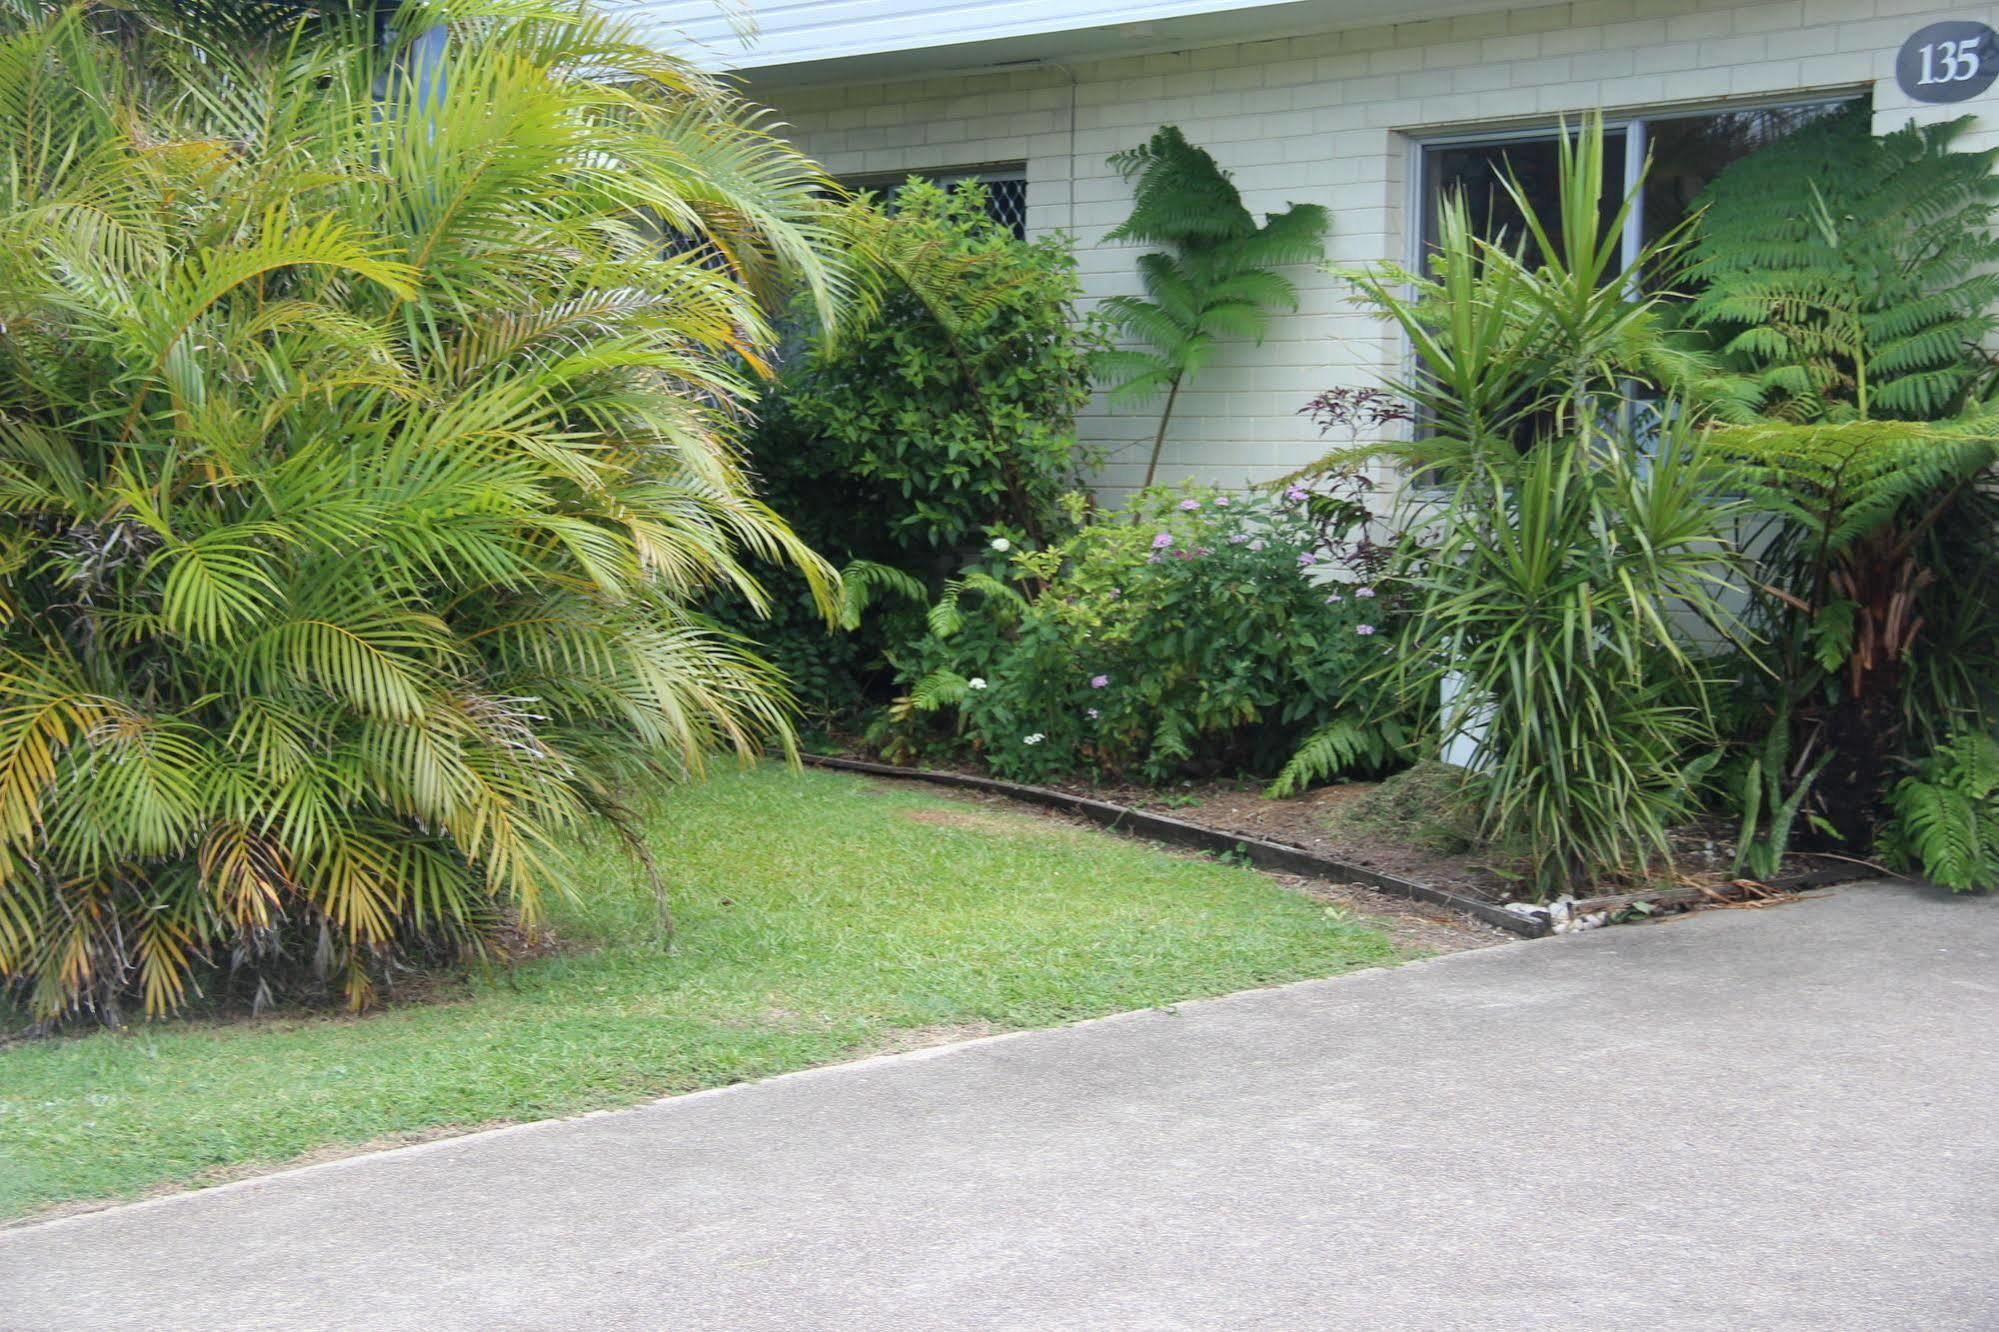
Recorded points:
(1006, 193)
(1688, 152)
(1006, 204)
(1478, 171)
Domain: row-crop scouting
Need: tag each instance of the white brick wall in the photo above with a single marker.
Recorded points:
(1327, 118)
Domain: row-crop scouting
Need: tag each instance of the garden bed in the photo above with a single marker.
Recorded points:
(1314, 835)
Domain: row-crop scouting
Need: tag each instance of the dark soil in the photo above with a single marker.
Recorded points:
(1314, 822)
(1400, 829)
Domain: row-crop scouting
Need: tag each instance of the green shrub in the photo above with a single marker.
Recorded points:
(938, 415)
(360, 456)
(1193, 633)
(1946, 815)
(944, 409)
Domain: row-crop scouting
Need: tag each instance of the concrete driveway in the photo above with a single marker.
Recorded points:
(1759, 1119)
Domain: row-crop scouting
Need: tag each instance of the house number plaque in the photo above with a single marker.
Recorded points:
(1948, 62)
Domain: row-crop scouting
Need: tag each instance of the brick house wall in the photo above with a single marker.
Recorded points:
(1330, 118)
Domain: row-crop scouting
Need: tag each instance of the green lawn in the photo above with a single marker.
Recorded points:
(820, 916)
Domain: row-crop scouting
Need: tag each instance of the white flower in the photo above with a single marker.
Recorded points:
(1002, 545)
(976, 682)
(1034, 739)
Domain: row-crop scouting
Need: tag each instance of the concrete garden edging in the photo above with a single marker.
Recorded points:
(1294, 860)
(1178, 832)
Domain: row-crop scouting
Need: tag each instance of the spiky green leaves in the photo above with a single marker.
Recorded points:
(1554, 602)
(1513, 341)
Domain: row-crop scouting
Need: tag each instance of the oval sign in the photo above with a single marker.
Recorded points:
(1948, 62)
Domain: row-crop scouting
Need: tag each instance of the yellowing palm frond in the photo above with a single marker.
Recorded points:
(363, 442)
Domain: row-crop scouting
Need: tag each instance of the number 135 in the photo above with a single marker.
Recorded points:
(1960, 61)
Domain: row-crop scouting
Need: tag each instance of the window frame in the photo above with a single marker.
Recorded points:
(884, 183)
(1634, 125)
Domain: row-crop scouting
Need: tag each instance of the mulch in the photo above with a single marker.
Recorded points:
(1702, 873)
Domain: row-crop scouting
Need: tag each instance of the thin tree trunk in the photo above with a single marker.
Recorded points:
(1159, 440)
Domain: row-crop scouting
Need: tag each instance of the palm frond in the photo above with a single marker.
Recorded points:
(356, 478)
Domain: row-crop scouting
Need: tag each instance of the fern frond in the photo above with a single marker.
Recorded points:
(939, 689)
(1947, 814)
(862, 580)
(1336, 749)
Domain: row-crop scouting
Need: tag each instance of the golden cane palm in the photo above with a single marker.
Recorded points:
(363, 440)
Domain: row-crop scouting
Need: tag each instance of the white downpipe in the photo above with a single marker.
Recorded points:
(422, 64)
(1462, 743)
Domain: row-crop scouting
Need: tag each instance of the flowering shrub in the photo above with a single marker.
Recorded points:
(1193, 633)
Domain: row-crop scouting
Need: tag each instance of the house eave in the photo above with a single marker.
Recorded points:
(1141, 29)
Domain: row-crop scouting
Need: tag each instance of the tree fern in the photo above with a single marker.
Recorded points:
(1216, 277)
(1846, 275)
(1842, 483)
(1849, 280)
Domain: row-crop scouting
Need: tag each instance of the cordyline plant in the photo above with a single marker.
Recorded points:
(361, 447)
(1564, 567)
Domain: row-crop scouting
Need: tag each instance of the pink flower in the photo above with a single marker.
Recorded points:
(1294, 494)
(1237, 539)
(1189, 505)
(1364, 630)
(1221, 501)
(1334, 599)
(1162, 541)
(1363, 591)
(1307, 559)
(1100, 681)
